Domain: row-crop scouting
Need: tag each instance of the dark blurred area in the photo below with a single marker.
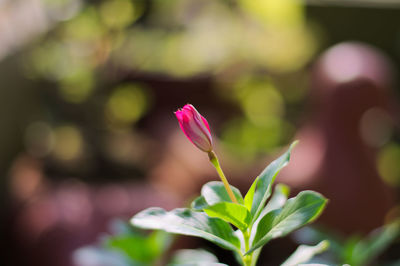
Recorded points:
(88, 90)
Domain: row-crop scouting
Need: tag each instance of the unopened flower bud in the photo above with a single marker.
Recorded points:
(195, 127)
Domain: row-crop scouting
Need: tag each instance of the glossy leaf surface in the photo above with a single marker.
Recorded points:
(305, 253)
(260, 190)
(297, 212)
(278, 199)
(236, 214)
(215, 192)
(194, 257)
(199, 204)
(188, 222)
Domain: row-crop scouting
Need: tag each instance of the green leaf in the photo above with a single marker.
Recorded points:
(367, 250)
(188, 222)
(215, 202)
(236, 214)
(215, 192)
(120, 227)
(248, 199)
(90, 255)
(310, 234)
(297, 212)
(304, 253)
(277, 200)
(348, 254)
(198, 263)
(260, 191)
(139, 247)
(199, 204)
(194, 257)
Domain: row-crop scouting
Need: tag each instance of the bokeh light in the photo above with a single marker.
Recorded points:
(89, 88)
(127, 104)
(388, 163)
(68, 144)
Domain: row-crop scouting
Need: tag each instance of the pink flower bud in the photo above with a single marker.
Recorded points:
(195, 127)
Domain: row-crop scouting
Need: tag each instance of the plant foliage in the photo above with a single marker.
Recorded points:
(213, 216)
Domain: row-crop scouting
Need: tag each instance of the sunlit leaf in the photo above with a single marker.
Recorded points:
(215, 192)
(199, 204)
(248, 199)
(304, 253)
(264, 182)
(187, 222)
(297, 212)
(194, 257)
(277, 200)
(138, 247)
(236, 214)
(216, 202)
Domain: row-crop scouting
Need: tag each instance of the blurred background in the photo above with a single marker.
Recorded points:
(88, 89)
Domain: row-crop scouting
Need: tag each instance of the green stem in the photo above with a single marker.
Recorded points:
(246, 236)
(214, 160)
(247, 259)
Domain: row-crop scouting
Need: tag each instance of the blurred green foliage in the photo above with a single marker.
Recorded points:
(126, 246)
(244, 46)
(100, 58)
(356, 250)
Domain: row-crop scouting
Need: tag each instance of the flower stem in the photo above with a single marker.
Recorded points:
(247, 259)
(214, 160)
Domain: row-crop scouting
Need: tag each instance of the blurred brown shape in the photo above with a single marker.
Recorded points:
(182, 169)
(333, 157)
(49, 220)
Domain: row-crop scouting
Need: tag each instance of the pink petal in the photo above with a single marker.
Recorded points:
(206, 123)
(195, 127)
